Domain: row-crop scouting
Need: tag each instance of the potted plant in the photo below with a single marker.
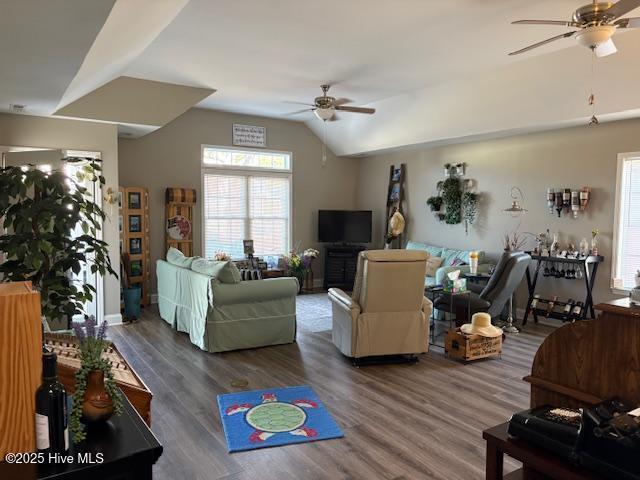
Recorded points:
(447, 169)
(308, 256)
(469, 208)
(41, 211)
(298, 265)
(435, 203)
(460, 168)
(96, 396)
(452, 199)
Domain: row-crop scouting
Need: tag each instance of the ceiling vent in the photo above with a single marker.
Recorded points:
(17, 108)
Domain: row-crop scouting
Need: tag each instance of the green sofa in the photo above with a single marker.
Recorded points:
(451, 260)
(221, 316)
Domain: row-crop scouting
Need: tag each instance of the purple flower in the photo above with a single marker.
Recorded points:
(90, 326)
(79, 331)
(102, 330)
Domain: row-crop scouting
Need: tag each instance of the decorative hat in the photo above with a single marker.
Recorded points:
(481, 325)
(397, 223)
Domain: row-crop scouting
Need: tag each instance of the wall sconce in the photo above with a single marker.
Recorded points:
(516, 208)
(559, 201)
(575, 203)
(585, 193)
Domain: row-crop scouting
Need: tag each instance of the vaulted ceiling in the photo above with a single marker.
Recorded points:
(435, 71)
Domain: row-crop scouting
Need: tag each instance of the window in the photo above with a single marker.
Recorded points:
(626, 235)
(247, 195)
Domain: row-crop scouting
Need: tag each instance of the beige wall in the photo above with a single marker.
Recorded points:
(572, 157)
(170, 157)
(28, 131)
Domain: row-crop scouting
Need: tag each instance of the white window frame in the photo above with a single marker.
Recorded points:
(247, 172)
(622, 157)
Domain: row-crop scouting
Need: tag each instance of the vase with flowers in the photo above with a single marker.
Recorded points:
(594, 241)
(298, 265)
(96, 397)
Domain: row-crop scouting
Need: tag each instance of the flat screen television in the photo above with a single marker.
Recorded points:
(345, 226)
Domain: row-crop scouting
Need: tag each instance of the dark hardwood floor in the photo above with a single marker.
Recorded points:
(400, 421)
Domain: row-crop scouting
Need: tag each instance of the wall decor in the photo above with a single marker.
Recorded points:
(134, 237)
(179, 203)
(457, 196)
(395, 200)
(249, 136)
(567, 200)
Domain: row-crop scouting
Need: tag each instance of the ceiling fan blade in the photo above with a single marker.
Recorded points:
(368, 111)
(299, 103)
(545, 22)
(298, 112)
(606, 48)
(623, 7)
(341, 101)
(628, 22)
(544, 42)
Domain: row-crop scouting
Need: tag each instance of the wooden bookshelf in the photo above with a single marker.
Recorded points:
(133, 203)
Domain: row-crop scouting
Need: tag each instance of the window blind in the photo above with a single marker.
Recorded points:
(628, 224)
(246, 204)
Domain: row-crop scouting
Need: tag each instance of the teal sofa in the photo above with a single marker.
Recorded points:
(220, 316)
(451, 260)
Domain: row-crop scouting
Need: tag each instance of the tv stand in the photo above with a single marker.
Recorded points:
(340, 263)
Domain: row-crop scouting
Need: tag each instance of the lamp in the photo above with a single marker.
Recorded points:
(324, 114)
(516, 208)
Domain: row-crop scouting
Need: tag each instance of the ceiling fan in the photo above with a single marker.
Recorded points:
(325, 107)
(596, 24)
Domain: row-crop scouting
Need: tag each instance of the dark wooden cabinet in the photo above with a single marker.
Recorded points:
(340, 263)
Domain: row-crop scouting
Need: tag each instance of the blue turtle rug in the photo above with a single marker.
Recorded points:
(274, 417)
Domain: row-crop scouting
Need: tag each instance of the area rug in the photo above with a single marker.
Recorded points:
(313, 312)
(274, 417)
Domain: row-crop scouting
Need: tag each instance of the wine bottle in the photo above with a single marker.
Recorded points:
(52, 435)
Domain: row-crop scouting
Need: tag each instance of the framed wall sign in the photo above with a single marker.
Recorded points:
(249, 136)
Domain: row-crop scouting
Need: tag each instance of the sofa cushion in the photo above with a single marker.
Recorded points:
(225, 271)
(433, 264)
(432, 250)
(177, 258)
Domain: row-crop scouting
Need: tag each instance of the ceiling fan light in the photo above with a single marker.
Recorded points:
(591, 37)
(324, 114)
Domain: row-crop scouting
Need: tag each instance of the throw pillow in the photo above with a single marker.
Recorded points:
(430, 249)
(454, 257)
(177, 258)
(225, 271)
(433, 264)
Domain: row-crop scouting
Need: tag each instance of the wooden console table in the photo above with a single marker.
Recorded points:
(536, 463)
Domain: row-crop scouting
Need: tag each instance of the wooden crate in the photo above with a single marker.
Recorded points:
(471, 347)
(65, 346)
(20, 366)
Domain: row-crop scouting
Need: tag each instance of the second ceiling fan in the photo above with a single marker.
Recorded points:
(596, 23)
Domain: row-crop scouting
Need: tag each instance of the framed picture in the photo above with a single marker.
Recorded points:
(135, 223)
(134, 201)
(394, 196)
(120, 223)
(119, 199)
(136, 268)
(262, 265)
(396, 175)
(248, 247)
(135, 246)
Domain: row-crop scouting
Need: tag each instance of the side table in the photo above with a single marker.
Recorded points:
(128, 448)
(434, 292)
(536, 463)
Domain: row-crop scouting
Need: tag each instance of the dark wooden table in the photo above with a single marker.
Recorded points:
(128, 447)
(536, 463)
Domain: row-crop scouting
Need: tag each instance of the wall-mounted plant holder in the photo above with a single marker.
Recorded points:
(566, 200)
(455, 169)
(456, 201)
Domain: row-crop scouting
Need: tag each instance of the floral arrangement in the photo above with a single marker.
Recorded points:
(298, 264)
(594, 233)
(91, 344)
(221, 256)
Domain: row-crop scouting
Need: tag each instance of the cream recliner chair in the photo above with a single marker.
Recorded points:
(387, 313)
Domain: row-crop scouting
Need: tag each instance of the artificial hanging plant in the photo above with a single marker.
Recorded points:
(41, 210)
(469, 208)
(435, 203)
(452, 197)
(91, 345)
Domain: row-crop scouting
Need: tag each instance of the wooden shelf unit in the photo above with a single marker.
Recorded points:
(133, 203)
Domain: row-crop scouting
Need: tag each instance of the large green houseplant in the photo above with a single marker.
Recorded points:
(41, 210)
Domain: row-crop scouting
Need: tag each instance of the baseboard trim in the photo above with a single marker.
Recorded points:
(114, 319)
